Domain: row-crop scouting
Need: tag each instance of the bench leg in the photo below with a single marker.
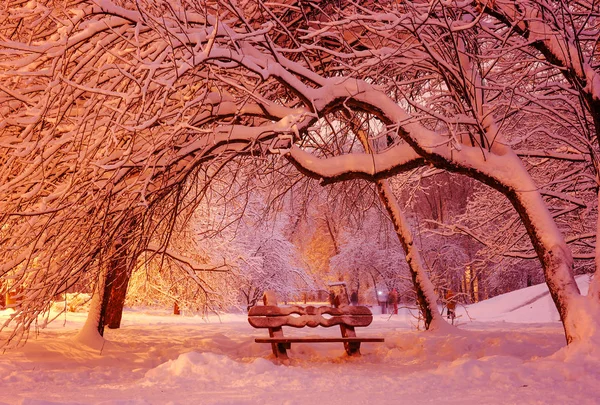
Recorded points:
(279, 349)
(352, 348)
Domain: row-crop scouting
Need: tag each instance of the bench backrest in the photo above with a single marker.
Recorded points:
(271, 316)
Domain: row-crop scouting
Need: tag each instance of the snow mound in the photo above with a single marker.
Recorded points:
(528, 305)
(5, 371)
(206, 368)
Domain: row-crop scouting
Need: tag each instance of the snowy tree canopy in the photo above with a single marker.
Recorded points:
(115, 115)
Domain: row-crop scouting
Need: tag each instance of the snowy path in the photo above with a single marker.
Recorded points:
(158, 358)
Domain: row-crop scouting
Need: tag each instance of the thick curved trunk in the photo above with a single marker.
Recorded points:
(499, 167)
(503, 170)
(555, 257)
(116, 291)
(118, 271)
(562, 51)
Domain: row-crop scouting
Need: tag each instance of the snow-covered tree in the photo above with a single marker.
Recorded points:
(110, 109)
(370, 257)
(251, 238)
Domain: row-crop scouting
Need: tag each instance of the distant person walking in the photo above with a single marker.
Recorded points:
(451, 305)
(332, 298)
(354, 298)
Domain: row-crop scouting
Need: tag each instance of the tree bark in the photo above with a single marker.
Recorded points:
(115, 289)
(117, 292)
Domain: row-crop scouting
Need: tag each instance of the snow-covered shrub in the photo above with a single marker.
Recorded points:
(72, 302)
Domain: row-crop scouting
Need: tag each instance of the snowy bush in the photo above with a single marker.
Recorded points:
(72, 302)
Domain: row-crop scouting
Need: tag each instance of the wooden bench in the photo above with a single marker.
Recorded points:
(274, 318)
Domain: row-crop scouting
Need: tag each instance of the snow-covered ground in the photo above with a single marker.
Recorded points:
(507, 350)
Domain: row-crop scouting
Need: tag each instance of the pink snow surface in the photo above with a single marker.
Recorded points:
(507, 350)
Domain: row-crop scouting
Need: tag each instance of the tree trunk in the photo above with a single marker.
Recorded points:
(117, 292)
(426, 297)
(554, 256)
(505, 172)
(118, 273)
